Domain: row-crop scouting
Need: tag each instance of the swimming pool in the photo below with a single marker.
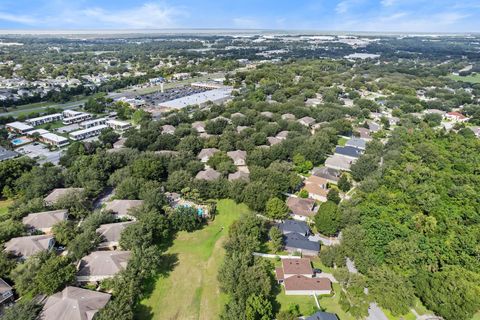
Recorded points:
(199, 210)
(20, 141)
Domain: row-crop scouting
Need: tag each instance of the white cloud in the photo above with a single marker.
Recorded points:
(149, 15)
(78, 15)
(4, 16)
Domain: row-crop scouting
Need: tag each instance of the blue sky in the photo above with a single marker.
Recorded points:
(327, 15)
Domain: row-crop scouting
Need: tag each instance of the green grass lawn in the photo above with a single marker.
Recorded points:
(342, 141)
(474, 79)
(4, 206)
(191, 289)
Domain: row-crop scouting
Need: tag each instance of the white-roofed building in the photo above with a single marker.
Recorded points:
(44, 119)
(93, 123)
(216, 96)
(54, 139)
(18, 127)
(87, 133)
(118, 125)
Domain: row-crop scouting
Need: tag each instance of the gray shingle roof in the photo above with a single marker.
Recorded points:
(348, 151)
(45, 220)
(293, 226)
(320, 315)
(103, 263)
(74, 304)
(297, 241)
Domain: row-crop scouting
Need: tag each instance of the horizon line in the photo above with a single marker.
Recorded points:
(89, 31)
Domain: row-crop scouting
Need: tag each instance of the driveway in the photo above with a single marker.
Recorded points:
(375, 313)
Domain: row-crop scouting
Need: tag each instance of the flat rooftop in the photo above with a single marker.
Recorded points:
(198, 98)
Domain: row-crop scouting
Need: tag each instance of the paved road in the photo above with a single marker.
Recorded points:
(375, 313)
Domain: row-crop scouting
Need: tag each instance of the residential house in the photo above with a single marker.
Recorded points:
(25, 247)
(288, 116)
(273, 140)
(349, 152)
(59, 193)
(456, 116)
(358, 143)
(298, 278)
(6, 292)
(339, 162)
(301, 209)
(199, 126)
(294, 226)
(74, 304)
(316, 188)
(476, 131)
(292, 267)
(306, 121)
(329, 174)
(101, 265)
(282, 135)
(239, 157)
(239, 175)
(122, 208)
(267, 114)
(110, 234)
(44, 221)
(435, 111)
(168, 129)
(373, 126)
(321, 315)
(241, 128)
(237, 115)
(205, 154)
(208, 174)
(298, 243)
(363, 133)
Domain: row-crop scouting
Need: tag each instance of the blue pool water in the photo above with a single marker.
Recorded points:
(199, 210)
(19, 141)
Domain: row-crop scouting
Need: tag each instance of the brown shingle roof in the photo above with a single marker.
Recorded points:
(297, 266)
(301, 207)
(279, 273)
(103, 263)
(58, 193)
(299, 282)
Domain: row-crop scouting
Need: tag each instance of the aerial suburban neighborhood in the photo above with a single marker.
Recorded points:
(253, 170)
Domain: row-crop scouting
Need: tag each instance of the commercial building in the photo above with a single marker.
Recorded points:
(87, 133)
(93, 123)
(44, 119)
(216, 96)
(118, 125)
(75, 117)
(54, 139)
(18, 127)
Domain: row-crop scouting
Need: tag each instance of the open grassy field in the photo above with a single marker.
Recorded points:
(475, 78)
(4, 206)
(191, 289)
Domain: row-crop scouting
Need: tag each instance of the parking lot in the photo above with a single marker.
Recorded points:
(40, 153)
(171, 94)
